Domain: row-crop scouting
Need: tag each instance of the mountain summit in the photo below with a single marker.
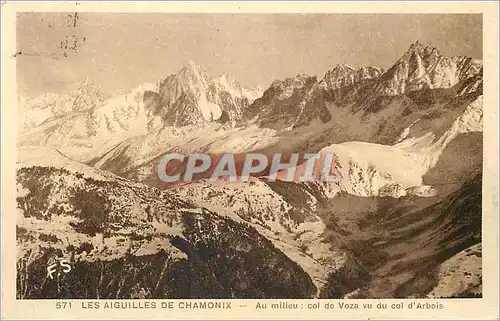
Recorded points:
(424, 67)
(191, 96)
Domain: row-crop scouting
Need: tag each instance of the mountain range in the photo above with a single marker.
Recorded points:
(403, 218)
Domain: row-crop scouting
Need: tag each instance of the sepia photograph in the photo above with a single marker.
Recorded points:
(221, 159)
(397, 99)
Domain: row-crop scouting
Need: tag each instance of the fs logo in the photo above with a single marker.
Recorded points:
(62, 264)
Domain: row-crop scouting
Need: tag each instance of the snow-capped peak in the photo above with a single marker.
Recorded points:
(192, 69)
(192, 96)
(424, 67)
(50, 105)
(192, 77)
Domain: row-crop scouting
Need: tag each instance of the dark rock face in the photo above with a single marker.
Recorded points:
(396, 247)
(289, 103)
(461, 160)
(298, 101)
(151, 101)
(369, 117)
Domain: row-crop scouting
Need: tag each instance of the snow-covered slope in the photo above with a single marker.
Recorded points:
(123, 238)
(35, 111)
(192, 111)
(190, 98)
(84, 135)
(137, 157)
(426, 149)
(371, 169)
(368, 169)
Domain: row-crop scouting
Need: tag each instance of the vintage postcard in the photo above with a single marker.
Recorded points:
(250, 160)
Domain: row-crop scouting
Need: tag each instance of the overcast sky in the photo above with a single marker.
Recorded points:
(120, 51)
